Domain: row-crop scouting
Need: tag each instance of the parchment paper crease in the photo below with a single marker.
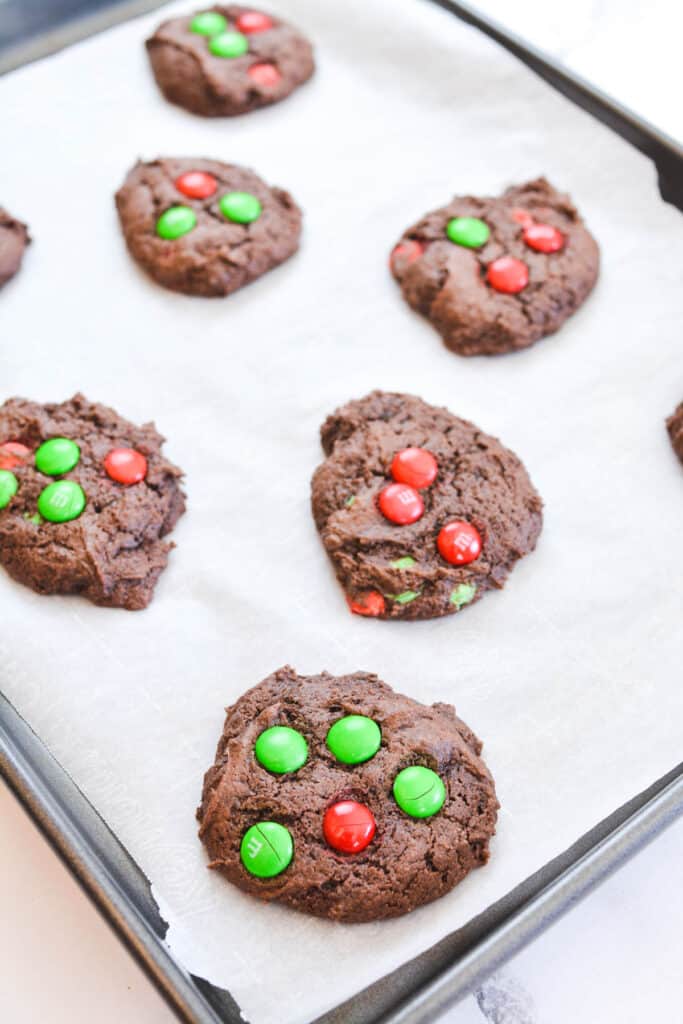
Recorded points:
(572, 675)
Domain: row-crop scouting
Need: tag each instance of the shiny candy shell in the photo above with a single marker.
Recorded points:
(61, 501)
(12, 454)
(253, 21)
(267, 849)
(370, 604)
(57, 456)
(240, 207)
(348, 826)
(229, 45)
(126, 466)
(208, 23)
(419, 791)
(414, 466)
(401, 504)
(176, 222)
(354, 739)
(281, 749)
(468, 231)
(196, 184)
(543, 238)
(265, 75)
(508, 275)
(9, 485)
(459, 542)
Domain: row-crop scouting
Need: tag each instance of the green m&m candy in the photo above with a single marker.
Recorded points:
(419, 791)
(229, 44)
(9, 485)
(403, 563)
(267, 849)
(462, 594)
(208, 23)
(61, 501)
(468, 231)
(176, 222)
(281, 749)
(57, 456)
(406, 597)
(240, 207)
(354, 739)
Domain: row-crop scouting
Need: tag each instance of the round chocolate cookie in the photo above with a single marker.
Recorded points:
(14, 238)
(674, 425)
(85, 498)
(344, 799)
(496, 274)
(205, 228)
(420, 512)
(228, 60)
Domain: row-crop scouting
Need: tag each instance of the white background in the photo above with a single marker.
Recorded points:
(56, 948)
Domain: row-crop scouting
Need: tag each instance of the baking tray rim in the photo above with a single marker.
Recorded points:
(121, 892)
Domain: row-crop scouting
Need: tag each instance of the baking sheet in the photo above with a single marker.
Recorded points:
(571, 674)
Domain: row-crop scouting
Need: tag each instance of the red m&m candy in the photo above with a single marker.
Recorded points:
(196, 184)
(459, 542)
(13, 454)
(414, 466)
(508, 275)
(266, 75)
(401, 504)
(253, 21)
(126, 466)
(406, 253)
(522, 217)
(543, 237)
(371, 603)
(348, 826)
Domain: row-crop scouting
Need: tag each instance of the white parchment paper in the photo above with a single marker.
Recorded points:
(572, 674)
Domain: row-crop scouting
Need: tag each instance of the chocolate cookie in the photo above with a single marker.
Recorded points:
(674, 425)
(496, 274)
(85, 498)
(228, 60)
(344, 799)
(205, 228)
(14, 238)
(420, 512)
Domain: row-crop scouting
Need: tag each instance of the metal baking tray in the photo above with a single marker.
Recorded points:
(424, 987)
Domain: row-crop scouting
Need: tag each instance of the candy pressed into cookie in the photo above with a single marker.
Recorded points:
(495, 274)
(228, 60)
(343, 799)
(420, 512)
(14, 238)
(674, 425)
(205, 228)
(85, 500)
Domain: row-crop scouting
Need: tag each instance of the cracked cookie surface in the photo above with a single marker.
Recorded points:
(113, 552)
(410, 861)
(448, 284)
(215, 255)
(390, 570)
(277, 59)
(674, 425)
(14, 238)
